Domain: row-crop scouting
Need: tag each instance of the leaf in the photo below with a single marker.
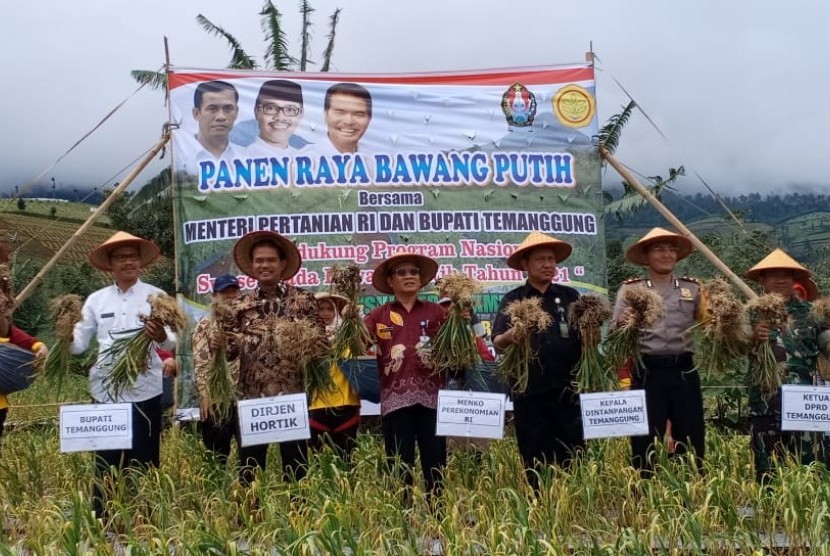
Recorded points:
(239, 58)
(153, 79)
(276, 55)
(609, 134)
(329, 51)
(305, 34)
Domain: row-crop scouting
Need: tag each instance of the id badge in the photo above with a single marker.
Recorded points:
(564, 331)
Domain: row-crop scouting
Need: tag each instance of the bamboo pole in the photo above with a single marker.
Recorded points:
(30, 287)
(661, 208)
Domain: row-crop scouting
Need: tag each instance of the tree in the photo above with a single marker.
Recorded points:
(276, 55)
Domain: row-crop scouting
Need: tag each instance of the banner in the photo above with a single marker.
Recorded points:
(356, 168)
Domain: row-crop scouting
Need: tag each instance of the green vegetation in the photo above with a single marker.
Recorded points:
(191, 505)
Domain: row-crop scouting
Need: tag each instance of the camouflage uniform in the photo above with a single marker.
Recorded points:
(796, 350)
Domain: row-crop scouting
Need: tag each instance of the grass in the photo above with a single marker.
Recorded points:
(600, 506)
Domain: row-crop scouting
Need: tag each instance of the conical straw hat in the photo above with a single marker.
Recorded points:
(808, 289)
(561, 249)
(427, 266)
(242, 252)
(638, 252)
(100, 256)
(338, 300)
(778, 260)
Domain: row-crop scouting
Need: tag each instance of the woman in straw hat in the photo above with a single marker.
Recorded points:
(408, 385)
(547, 414)
(667, 371)
(334, 416)
(10, 334)
(272, 259)
(796, 346)
(106, 312)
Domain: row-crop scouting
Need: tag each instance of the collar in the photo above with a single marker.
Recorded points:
(131, 289)
(279, 291)
(549, 291)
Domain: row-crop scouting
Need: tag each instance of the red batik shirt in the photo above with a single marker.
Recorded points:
(404, 379)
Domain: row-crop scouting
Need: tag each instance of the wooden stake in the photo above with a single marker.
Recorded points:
(30, 287)
(661, 208)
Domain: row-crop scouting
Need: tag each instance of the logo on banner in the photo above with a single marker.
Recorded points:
(574, 106)
(518, 105)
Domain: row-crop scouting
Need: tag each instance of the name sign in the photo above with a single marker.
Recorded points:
(610, 414)
(91, 427)
(470, 414)
(805, 408)
(275, 419)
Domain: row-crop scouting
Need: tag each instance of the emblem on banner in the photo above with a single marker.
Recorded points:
(518, 105)
(574, 106)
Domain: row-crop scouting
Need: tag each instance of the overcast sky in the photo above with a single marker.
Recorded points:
(739, 87)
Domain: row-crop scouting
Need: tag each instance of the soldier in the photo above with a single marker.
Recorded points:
(667, 371)
(797, 348)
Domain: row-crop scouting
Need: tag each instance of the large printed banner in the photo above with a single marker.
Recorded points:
(356, 168)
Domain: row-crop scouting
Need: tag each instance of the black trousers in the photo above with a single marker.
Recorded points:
(144, 453)
(672, 386)
(335, 427)
(548, 430)
(3, 413)
(217, 435)
(402, 429)
(294, 456)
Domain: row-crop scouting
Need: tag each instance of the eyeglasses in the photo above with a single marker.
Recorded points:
(664, 249)
(125, 258)
(407, 271)
(274, 109)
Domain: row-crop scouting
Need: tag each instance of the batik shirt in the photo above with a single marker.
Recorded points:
(263, 371)
(405, 376)
(203, 357)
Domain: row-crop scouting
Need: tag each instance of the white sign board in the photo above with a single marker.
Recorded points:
(470, 414)
(92, 427)
(805, 408)
(276, 419)
(609, 414)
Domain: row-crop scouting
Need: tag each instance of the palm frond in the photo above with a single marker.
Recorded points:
(327, 54)
(628, 203)
(609, 134)
(631, 201)
(276, 55)
(153, 79)
(239, 58)
(305, 34)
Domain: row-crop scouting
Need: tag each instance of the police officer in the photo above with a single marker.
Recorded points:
(797, 347)
(667, 370)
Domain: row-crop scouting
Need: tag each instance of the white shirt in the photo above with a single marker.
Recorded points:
(107, 312)
(262, 149)
(190, 152)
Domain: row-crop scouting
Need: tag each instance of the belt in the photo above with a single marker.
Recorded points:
(672, 360)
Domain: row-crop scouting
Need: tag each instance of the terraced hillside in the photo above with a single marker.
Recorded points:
(38, 238)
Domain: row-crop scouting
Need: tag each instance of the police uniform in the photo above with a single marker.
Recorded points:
(666, 370)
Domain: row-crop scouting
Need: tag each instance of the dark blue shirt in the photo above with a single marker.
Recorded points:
(556, 357)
